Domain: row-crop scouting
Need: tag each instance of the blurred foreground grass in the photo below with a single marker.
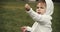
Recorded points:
(13, 16)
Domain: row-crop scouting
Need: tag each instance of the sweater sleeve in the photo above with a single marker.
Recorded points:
(38, 17)
(28, 28)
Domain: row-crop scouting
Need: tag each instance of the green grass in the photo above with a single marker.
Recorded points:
(13, 16)
(56, 18)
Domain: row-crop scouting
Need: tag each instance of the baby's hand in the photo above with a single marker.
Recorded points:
(23, 29)
(27, 7)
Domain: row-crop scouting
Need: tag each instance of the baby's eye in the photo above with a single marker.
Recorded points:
(42, 7)
(37, 7)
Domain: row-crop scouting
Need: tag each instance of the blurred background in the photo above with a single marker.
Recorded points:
(13, 15)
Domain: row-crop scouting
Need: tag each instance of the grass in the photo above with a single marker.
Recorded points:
(13, 16)
(56, 18)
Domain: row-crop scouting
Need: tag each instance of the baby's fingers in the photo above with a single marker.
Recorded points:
(27, 7)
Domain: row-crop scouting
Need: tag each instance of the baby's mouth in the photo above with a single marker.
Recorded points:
(39, 12)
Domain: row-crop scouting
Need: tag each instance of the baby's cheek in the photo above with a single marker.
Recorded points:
(43, 11)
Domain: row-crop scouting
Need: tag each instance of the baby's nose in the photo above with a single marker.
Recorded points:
(38, 9)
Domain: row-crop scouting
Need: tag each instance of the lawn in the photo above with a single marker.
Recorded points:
(13, 16)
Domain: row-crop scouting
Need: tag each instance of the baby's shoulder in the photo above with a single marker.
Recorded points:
(47, 16)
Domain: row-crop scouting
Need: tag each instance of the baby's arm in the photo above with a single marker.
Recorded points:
(42, 19)
(37, 17)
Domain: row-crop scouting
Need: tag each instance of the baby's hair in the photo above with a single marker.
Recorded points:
(42, 1)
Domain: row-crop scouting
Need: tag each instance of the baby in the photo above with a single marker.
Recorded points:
(42, 17)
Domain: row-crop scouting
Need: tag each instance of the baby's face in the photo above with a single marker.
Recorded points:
(41, 8)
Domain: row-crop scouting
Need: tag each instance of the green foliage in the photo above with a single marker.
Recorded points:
(13, 16)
